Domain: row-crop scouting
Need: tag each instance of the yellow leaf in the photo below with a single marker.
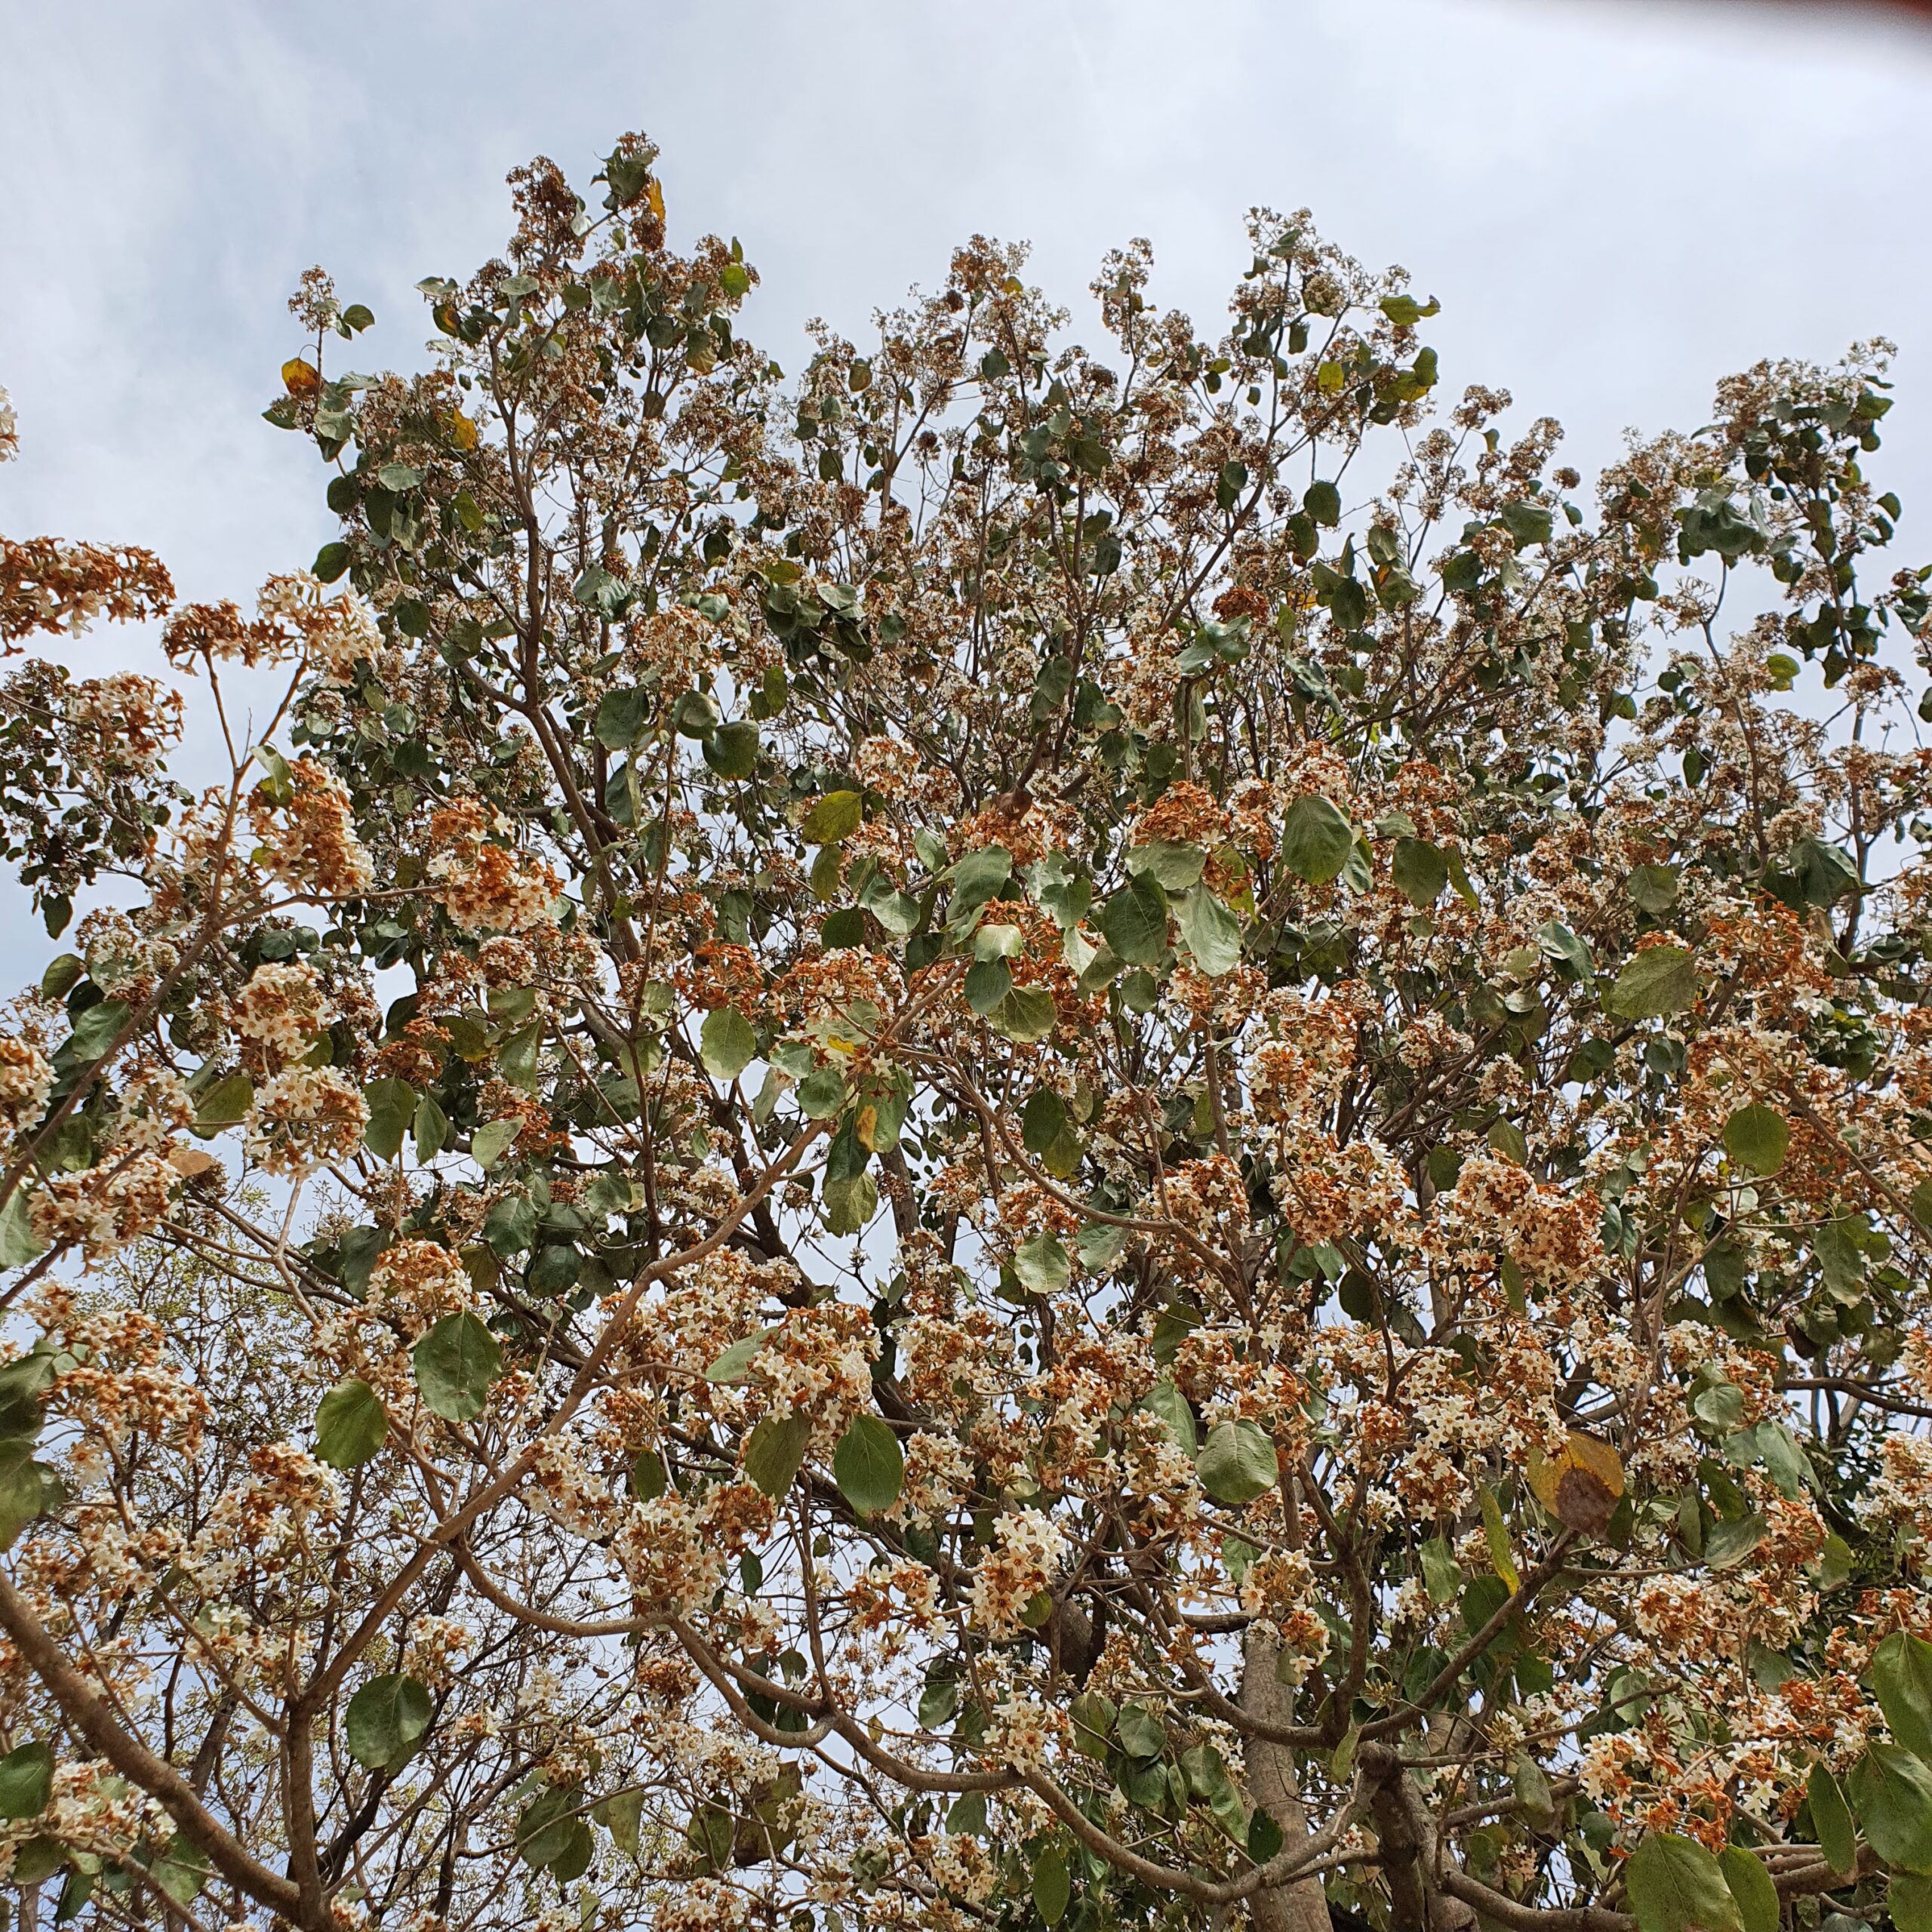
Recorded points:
(868, 1127)
(299, 377)
(654, 195)
(1497, 1534)
(1582, 1485)
(463, 431)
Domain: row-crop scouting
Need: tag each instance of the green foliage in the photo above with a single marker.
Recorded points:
(351, 1424)
(456, 1362)
(385, 1721)
(867, 1466)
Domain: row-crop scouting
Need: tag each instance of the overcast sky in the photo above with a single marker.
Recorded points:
(1616, 201)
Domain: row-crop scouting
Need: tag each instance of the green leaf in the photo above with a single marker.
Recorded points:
(24, 1383)
(26, 1781)
(1774, 1445)
(392, 1107)
(1755, 1137)
(834, 817)
(1675, 1885)
(897, 911)
(978, 876)
(1027, 1014)
(1093, 1715)
(1042, 1120)
(430, 1129)
(648, 1477)
(26, 1488)
(510, 1227)
(988, 982)
(731, 750)
(1902, 1681)
(1237, 1463)
(1213, 932)
(19, 1245)
(968, 1817)
(1099, 1247)
(518, 1057)
(845, 927)
(1141, 1733)
(1533, 1792)
(775, 1449)
(869, 1465)
(1909, 1900)
(1172, 866)
(1662, 980)
(1831, 1819)
(385, 1721)
(1441, 1575)
(620, 717)
(998, 941)
(1729, 1543)
(351, 1424)
(1316, 839)
(1418, 872)
(489, 1140)
(1134, 921)
(1527, 523)
(1654, 888)
(694, 715)
(1834, 1563)
(938, 1701)
(1825, 873)
(850, 1203)
(64, 973)
(1751, 1885)
(181, 1871)
(1560, 944)
(620, 1815)
(1042, 1265)
(95, 1030)
(1891, 1791)
(455, 1364)
(1165, 1402)
(734, 1363)
(1841, 1256)
(1264, 1837)
(40, 1857)
(726, 1043)
(1051, 1886)
(822, 1093)
(548, 1826)
(1405, 311)
(226, 1104)
(1323, 501)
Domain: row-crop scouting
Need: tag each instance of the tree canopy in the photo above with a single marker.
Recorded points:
(1007, 1136)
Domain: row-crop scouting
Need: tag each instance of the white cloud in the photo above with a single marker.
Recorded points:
(1617, 202)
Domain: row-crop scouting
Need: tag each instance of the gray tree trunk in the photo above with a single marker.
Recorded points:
(1301, 1905)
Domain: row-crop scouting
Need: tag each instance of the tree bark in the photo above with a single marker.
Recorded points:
(1302, 1904)
(89, 1714)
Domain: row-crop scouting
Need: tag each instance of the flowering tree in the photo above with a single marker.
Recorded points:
(1022, 1136)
